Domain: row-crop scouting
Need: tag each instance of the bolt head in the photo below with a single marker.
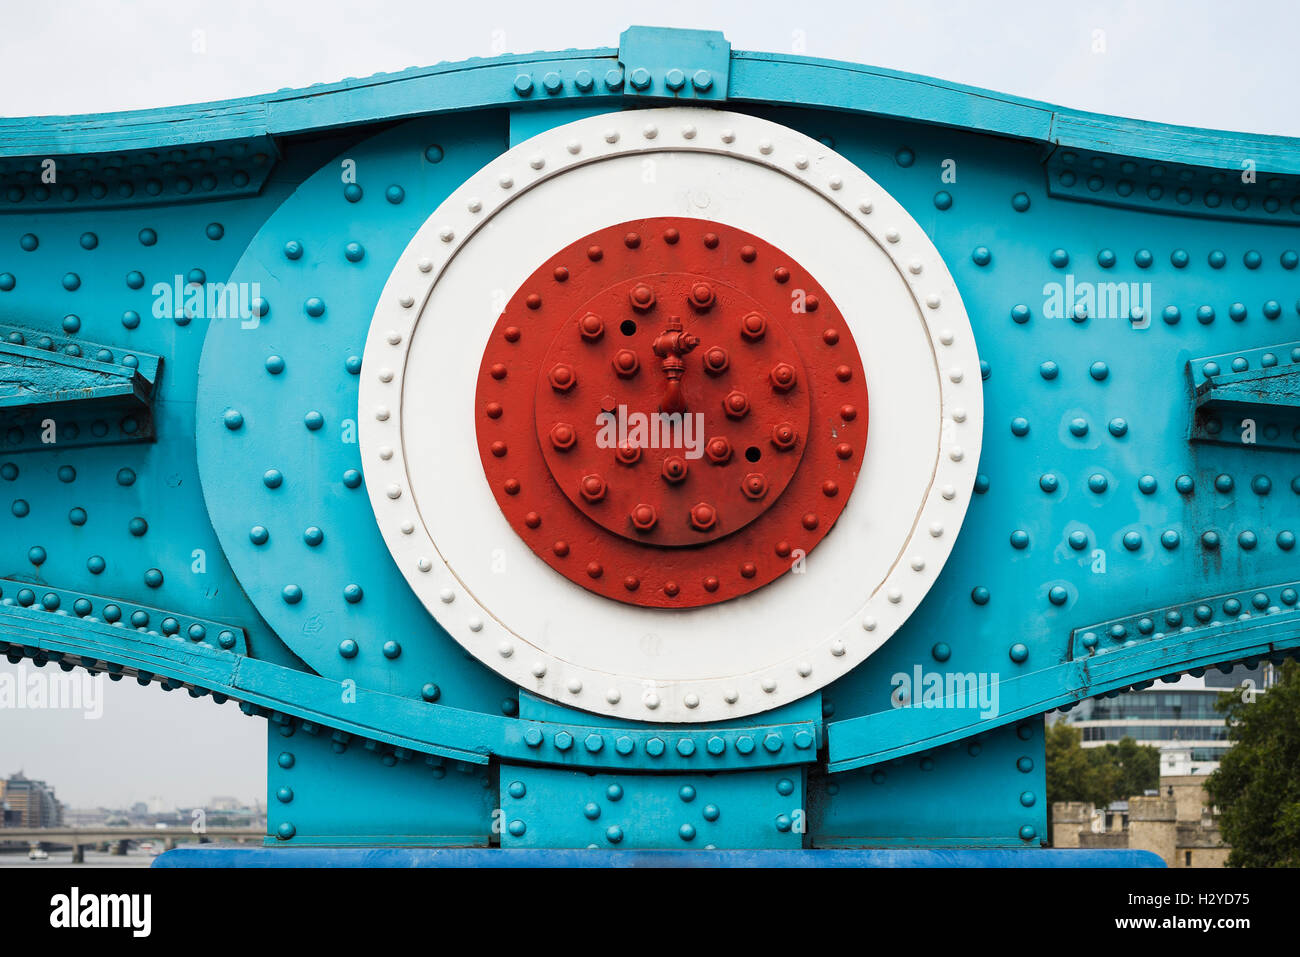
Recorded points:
(563, 436)
(562, 377)
(644, 517)
(702, 296)
(674, 469)
(784, 436)
(642, 297)
(628, 454)
(753, 326)
(783, 377)
(716, 360)
(736, 404)
(718, 449)
(626, 363)
(754, 485)
(703, 517)
(592, 487)
(592, 327)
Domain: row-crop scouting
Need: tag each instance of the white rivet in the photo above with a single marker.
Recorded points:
(765, 147)
(394, 491)
(804, 669)
(948, 492)
(650, 700)
(424, 564)
(447, 595)
(539, 670)
(914, 267)
(892, 235)
(394, 337)
(728, 136)
(575, 686)
(537, 162)
(691, 701)
(506, 181)
(446, 235)
(918, 563)
(474, 205)
(768, 685)
(650, 131)
(959, 414)
(574, 147)
(957, 453)
(406, 302)
(936, 529)
(505, 649)
(894, 595)
(731, 696)
(408, 527)
(381, 413)
(613, 696)
(385, 375)
(865, 207)
(688, 132)
(868, 623)
(385, 452)
(955, 374)
(932, 300)
(611, 136)
(837, 648)
(424, 265)
(801, 161)
(946, 337)
(836, 183)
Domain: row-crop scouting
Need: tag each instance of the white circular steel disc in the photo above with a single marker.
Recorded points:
(545, 633)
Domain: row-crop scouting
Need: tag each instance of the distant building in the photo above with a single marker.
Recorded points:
(29, 803)
(1179, 718)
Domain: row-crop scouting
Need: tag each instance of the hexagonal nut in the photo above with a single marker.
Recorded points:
(592, 327)
(736, 404)
(783, 377)
(562, 377)
(592, 487)
(718, 449)
(675, 469)
(625, 363)
(628, 454)
(642, 297)
(563, 436)
(702, 296)
(754, 485)
(753, 326)
(716, 360)
(703, 517)
(784, 436)
(643, 517)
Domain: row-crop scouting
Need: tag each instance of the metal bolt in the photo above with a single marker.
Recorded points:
(644, 517)
(703, 517)
(718, 449)
(754, 485)
(675, 469)
(702, 296)
(626, 363)
(716, 361)
(784, 436)
(593, 487)
(753, 327)
(592, 327)
(642, 297)
(783, 377)
(563, 436)
(628, 454)
(562, 377)
(736, 404)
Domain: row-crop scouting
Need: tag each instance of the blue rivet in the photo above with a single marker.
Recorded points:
(1223, 483)
(941, 651)
(234, 419)
(131, 319)
(1237, 312)
(314, 307)
(1020, 426)
(352, 192)
(1147, 484)
(1099, 371)
(1020, 202)
(352, 478)
(272, 478)
(1217, 259)
(1019, 539)
(783, 823)
(1170, 539)
(1252, 259)
(1025, 764)
(1018, 652)
(1020, 314)
(392, 649)
(981, 483)
(584, 81)
(348, 648)
(1060, 258)
(943, 199)
(803, 740)
(1171, 315)
(686, 832)
(1088, 639)
(274, 364)
(614, 834)
(1106, 258)
(292, 594)
(286, 831)
(986, 370)
(352, 594)
(1132, 541)
(137, 526)
(353, 364)
(354, 252)
(1272, 309)
(1057, 595)
(591, 810)
(1286, 540)
(614, 792)
(686, 792)
(1049, 483)
(1247, 540)
(1049, 370)
(285, 760)
(1118, 427)
(313, 420)
(1210, 540)
(904, 157)
(1185, 484)
(1179, 258)
(1143, 258)
(523, 84)
(197, 632)
(711, 812)
(1098, 483)
(517, 828)
(1078, 427)
(980, 595)
(258, 535)
(95, 564)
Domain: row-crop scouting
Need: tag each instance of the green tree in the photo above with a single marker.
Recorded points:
(1134, 768)
(1257, 785)
(1071, 774)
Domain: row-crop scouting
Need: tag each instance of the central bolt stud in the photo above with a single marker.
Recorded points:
(784, 436)
(703, 517)
(675, 469)
(718, 450)
(593, 487)
(753, 327)
(628, 454)
(592, 327)
(562, 377)
(702, 296)
(644, 517)
(783, 377)
(736, 404)
(626, 363)
(642, 297)
(563, 436)
(716, 361)
(754, 485)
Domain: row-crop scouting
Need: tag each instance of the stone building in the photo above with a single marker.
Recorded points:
(28, 803)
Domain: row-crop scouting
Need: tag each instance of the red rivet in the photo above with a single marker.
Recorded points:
(753, 327)
(498, 370)
(511, 333)
(632, 240)
(608, 404)
(561, 274)
(754, 485)
(784, 436)
(512, 486)
(562, 377)
(711, 584)
(592, 327)
(498, 448)
(809, 521)
(843, 373)
(844, 450)
(810, 303)
(783, 377)
(593, 487)
(671, 589)
(848, 413)
(830, 488)
(628, 454)
(831, 337)
(561, 548)
(533, 301)
(748, 570)
(736, 404)
(711, 240)
(532, 519)
(783, 549)
(703, 517)
(595, 253)
(631, 583)
(563, 436)
(671, 236)
(644, 517)
(674, 469)
(716, 361)
(594, 570)
(718, 450)
(748, 253)
(642, 297)
(781, 274)
(702, 296)
(626, 363)
(493, 410)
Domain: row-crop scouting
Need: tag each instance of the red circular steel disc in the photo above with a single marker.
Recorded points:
(671, 412)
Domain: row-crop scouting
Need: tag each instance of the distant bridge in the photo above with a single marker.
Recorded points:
(78, 837)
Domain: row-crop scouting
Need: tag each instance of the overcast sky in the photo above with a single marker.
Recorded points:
(1218, 65)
